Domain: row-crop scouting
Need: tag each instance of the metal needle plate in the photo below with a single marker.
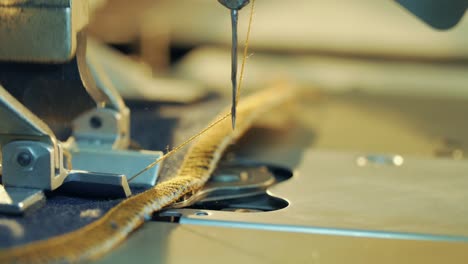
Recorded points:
(232, 182)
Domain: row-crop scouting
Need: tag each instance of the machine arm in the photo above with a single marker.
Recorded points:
(440, 14)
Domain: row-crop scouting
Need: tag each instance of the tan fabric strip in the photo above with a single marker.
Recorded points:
(104, 234)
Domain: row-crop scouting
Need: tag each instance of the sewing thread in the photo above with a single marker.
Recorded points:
(239, 88)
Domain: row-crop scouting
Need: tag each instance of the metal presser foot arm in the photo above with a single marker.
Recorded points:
(49, 83)
(33, 162)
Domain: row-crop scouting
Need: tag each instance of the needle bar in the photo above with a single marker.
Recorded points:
(234, 20)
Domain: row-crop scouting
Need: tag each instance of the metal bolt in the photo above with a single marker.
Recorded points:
(95, 122)
(201, 213)
(24, 159)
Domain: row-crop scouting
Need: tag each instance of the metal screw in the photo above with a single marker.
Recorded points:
(201, 213)
(24, 159)
(95, 122)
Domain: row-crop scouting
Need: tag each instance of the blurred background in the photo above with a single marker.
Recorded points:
(372, 45)
(393, 84)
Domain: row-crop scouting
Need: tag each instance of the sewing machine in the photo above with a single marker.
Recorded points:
(47, 80)
(260, 208)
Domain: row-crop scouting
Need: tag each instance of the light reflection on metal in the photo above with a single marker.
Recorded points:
(398, 160)
(380, 160)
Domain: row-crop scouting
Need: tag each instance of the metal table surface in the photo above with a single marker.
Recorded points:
(340, 208)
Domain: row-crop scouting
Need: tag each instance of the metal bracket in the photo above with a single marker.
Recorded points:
(233, 181)
(119, 162)
(33, 161)
(66, 90)
(30, 164)
(102, 128)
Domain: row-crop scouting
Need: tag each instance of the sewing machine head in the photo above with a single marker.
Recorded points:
(43, 65)
(48, 81)
(41, 31)
(43, 51)
(439, 14)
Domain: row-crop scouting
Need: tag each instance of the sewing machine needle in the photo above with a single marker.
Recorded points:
(234, 19)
